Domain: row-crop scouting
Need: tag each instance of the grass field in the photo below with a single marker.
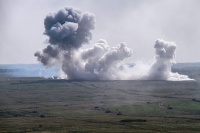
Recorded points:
(41, 105)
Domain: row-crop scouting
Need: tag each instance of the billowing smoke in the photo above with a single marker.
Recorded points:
(97, 63)
(165, 55)
(69, 29)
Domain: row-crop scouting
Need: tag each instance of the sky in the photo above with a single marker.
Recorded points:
(139, 23)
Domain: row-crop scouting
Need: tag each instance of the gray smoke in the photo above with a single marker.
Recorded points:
(69, 29)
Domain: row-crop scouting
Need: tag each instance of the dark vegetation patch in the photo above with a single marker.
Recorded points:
(119, 113)
(133, 120)
(34, 111)
(195, 100)
(15, 113)
(42, 116)
(169, 107)
(10, 114)
(108, 111)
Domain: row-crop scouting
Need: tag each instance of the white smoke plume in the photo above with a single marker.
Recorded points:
(165, 57)
(165, 54)
(97, 63)
(69, 29)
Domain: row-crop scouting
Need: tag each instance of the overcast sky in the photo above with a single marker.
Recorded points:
(137, 22)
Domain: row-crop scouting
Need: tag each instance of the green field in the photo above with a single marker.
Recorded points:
(41, 105)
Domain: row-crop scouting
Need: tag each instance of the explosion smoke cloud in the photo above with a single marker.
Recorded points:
(165, 54)
(165, 57)
(70, 28)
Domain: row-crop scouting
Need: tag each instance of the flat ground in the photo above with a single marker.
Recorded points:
(41, 105)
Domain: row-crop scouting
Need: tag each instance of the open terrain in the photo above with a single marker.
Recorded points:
(45, 105)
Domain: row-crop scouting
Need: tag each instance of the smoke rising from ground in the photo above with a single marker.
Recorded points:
(69, 29)
(165, 57)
